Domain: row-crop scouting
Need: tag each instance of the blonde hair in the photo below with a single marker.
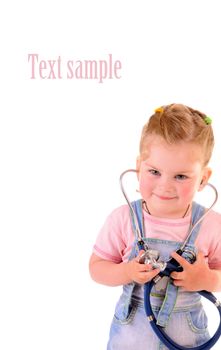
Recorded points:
(177, 122)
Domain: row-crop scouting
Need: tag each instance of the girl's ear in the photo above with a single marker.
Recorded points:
(207, 172)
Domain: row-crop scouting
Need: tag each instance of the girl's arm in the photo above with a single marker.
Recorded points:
(113, 274)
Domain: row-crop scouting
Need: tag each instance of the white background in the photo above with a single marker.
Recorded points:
(63, 145)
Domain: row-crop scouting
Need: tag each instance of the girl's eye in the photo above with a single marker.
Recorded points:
(181, 177)
(154, 172)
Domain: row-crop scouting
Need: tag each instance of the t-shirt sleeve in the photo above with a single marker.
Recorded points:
(214, 257)
(110, 243)
(214, 261)
(210, 239)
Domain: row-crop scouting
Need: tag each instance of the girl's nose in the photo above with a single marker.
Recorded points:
(165, 184)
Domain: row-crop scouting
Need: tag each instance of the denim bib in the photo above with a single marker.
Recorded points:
(166, 299)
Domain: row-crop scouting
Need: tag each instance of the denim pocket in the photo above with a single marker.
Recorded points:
(124, 314)
(197, 320)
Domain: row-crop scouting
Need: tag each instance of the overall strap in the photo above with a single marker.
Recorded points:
(197, 211)
(137, 207)
(172, 291)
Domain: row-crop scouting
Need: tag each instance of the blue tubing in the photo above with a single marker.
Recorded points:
(159, 330)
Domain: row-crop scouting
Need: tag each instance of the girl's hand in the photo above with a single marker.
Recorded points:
(140, 273)
(194, 277)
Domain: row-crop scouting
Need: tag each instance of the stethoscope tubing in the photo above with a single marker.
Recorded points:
(161, 333)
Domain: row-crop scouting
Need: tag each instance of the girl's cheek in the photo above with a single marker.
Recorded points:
(143, 181)
(187, 192)
(145, 186)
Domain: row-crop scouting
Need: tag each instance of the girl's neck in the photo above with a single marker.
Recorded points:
(186, 212)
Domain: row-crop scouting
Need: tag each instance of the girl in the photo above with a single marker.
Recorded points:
(175, 148)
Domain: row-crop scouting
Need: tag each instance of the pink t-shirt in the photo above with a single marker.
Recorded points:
(116, 237)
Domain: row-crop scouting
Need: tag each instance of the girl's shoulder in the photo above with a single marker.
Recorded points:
(213, 220)
(120, 214)
(213, 214)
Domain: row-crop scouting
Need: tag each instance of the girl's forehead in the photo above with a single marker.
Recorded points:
(177, 152)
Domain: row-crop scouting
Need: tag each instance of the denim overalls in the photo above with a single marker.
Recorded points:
(180, 312)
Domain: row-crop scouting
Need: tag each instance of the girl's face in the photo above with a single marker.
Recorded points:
(170, 175)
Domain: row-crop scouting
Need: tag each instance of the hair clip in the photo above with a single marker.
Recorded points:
(208, 120)
(159, 110)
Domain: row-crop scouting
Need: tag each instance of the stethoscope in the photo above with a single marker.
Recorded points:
(166, 268)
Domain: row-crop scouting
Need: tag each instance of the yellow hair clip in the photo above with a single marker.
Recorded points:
(159, 110)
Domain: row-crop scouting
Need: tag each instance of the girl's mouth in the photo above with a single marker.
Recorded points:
(164, 198)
